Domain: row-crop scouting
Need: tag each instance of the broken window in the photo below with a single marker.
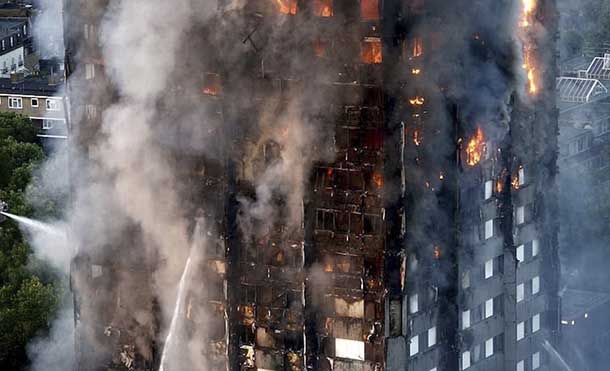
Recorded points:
(369, 9)
(372, 224)
(325, 220)
(356, 223)
(370, 50)
(323, 8)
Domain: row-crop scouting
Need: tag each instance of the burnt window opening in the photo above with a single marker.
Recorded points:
(356, 223)
(245, 334)
(370, 50)
(369, 9)
(320, 48)
(287, 6)
(212, 84)
(372, 224)
(325, 220)
(413, 48)
(323, 8)
(272, 152)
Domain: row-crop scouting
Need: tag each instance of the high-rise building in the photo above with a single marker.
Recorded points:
(379, 190)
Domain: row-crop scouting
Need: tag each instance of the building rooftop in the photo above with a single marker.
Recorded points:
(576, 303)
(598, 69)
(579, 90)
(29, 86)
(11, 26)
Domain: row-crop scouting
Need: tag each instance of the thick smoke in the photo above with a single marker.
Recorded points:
(48, 29)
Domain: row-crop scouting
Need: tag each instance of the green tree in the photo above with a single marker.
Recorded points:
(29, 290)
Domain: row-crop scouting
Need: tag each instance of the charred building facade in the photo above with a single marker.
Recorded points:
(370, 186)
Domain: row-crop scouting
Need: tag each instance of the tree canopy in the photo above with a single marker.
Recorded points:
(29, 290)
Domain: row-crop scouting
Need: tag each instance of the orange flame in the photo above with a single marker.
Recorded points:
(437, 252)
(415, 71)
(527, 20)
(378, 180)
(416, 138)
(475, 148)
(287, 6)
(323, 8)
(418, 47)
(371, 51)
(417, 101)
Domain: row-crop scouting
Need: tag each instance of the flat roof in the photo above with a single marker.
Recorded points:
(29, 86)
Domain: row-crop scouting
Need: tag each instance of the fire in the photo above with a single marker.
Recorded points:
(212, 85)
(475, 148)
(418, 47)
(319, 48)
(378, 180)
(371, 51)
(437, 253)
(417, 101)
(527, 20)
(287, 6)
(323, 8)
(415, 71)
(416, 138)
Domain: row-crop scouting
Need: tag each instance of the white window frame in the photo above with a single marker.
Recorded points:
(13, 100)
(489, 229)
(432, 336)
(414, 346)
(489, 268)
(47, 124)
(489, 186)
(350, 349)
(536, 323)
(535, 247)
(89, 71)
(521, 366)
(52, 105)
(466, 319)
(536, 361)
(520, 253)
(535, 285)
(413, 303)
(520, 292)
(489, 347)
(466, 360)
(521, 176)
(520, 330)
(489, 308)
(520, 215)
(32, 102)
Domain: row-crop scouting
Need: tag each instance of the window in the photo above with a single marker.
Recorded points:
(466, 280)
(520, 215)
(465, 319)
(489, 268)
(520, 292)
(489, 308)
(370, 50)
(432, 336)
(91, 111)
(521, 176)
(369, 9)
(520, 330)
(3, 44)
(535, 285)
(15, 103)
(489, 348)
(414, 345)
(489, 229)
(535, 248)
(12, 41)
(52, 105)
(34, 102)
(323, 8)
(465, 360)
(536, 361)
(433, 369)
(47, 124)
(413, 304)
(520, 254)
(488, 189)
(521, 366)
(351, 349)
(536, 323)
(89, 71)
